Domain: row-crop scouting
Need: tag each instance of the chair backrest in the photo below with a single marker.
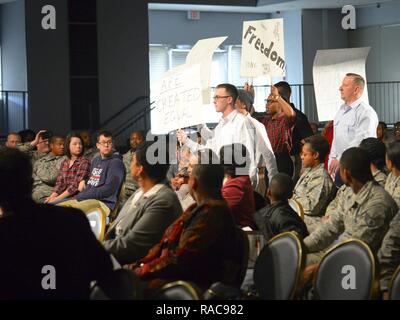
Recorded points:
(121, 196)
(279, 267)
(179, 290)
(348, 271)
(123, 284)
(296, 206)
(256, 241)
(97, 220)
(394, 286)
(245, 256)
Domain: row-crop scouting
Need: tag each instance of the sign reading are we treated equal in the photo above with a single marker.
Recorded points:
(179, 100)
(262, 48)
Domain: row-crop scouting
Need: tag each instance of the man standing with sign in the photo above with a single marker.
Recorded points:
(354, 121)
(232, 128)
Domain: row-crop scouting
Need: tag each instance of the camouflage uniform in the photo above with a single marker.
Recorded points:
(314, 191)
(345, 192)
(380, 177)
(393, 187)
(130, 185)
(365, 216)
(45, 172)
(91, 153)
(389, 253)
(31, 151)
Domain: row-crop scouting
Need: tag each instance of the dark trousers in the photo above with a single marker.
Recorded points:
(285, 165)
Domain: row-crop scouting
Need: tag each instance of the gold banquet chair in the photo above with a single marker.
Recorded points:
(179, 290)
(348, 271)
(394, 286)
(97, 221)
(279, 268)
(296, 206)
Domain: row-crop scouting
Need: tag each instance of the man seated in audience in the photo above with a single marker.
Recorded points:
(397, 131)
(203, 245)
(237, 190)
(105, 181)
(393, 164)
(47, 252)
(376, 152)
(13, 139)
(315, 189)
(389, 254)
(46, 170)
(146, 214)
(365, 215)
(27, 135)
(383, 134)
(38, 147)
(91, 151)
(136, 139)
(279, 216)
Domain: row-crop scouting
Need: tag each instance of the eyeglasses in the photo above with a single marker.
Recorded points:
(106, 143)
(220, 97)
(268, 101)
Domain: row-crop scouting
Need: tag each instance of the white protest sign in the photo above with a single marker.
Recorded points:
(330, 67)
(202, 53)
(262, 48)
(178, 101)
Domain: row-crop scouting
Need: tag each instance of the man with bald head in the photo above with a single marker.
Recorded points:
(354, 121)
(13, 139)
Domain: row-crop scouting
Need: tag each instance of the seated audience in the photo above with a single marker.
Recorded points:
(74, 169)
(47, 252)
(376, 153)
(382, 133)
(315, 189)
(389, 253)
(46, 170)
(393, 164)
(237, 190)
(13, 139)
(38, 147)
(136, 138)
(91, 151)
(396, 131)
(107, 173)
(146, 214)
(203, 245)
(365, 215)
(279, 216)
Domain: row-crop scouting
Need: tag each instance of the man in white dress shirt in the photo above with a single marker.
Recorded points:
(354, 121)
(233, 128)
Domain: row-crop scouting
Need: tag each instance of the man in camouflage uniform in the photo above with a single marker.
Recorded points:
(376, 151)
(393, 164)
(90, 151)
(37, 148)
(46, 170)
(389, 253)
(365, 215)
(136, 138)
(315, 189)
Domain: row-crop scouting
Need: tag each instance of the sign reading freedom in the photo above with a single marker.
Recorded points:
(262, 48)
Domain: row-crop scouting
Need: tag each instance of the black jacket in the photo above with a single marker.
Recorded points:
(277, 218)
(301, 130)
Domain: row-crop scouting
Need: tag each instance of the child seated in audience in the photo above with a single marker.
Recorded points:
(315, 188)
(392, 185)
(279, 216)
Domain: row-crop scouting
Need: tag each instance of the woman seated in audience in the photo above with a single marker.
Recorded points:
(237, 190)
(74, 169)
